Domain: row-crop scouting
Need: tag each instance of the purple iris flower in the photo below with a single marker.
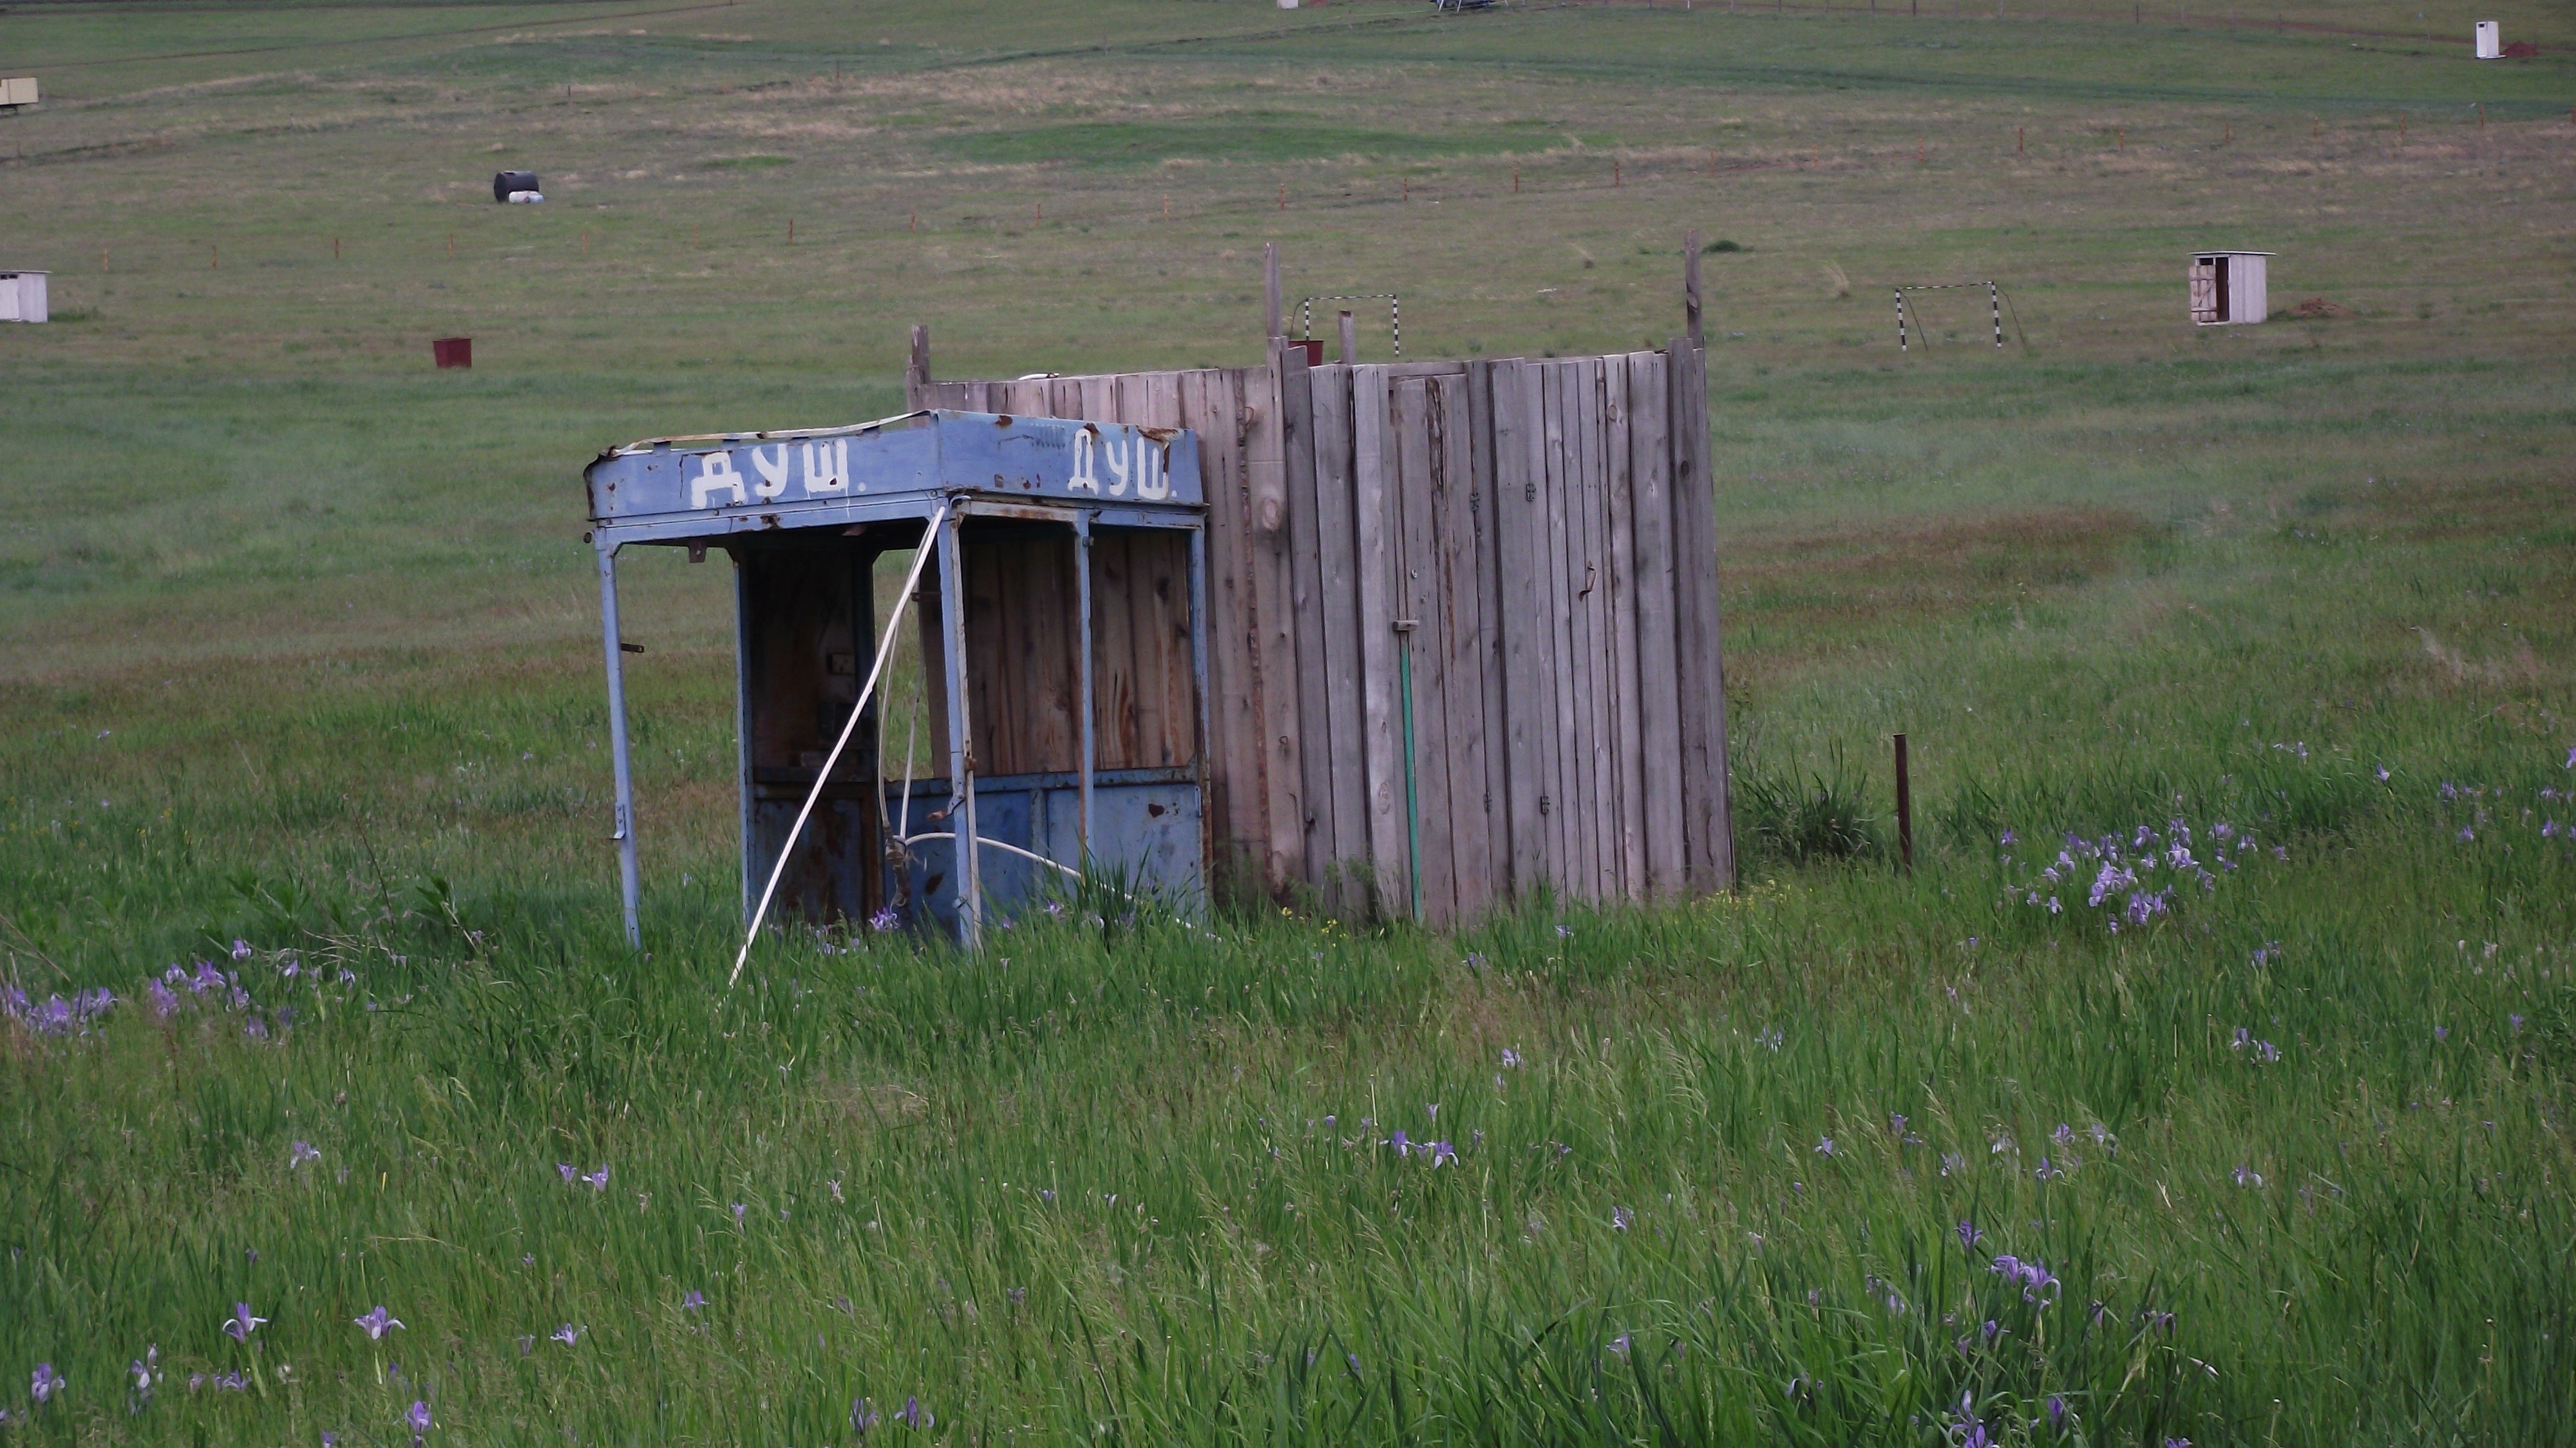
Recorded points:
(241, 950)
(45, 1383)
(863, 1416)
(417, 1419)
(300, 1152)
(915, 1416)
(377, 1323)
(696, 1301)
(1402, 1148)
(1824, 1146)
(885, 920)
(1621, 1219)
(567, 1334)
(738, 1210)
(2056, 1412)
(1511, 1059)
(567, 1171)
(241, 1325)
(164, 1002)
(1441, 1152)
(1969, 1236)
(598, 1179)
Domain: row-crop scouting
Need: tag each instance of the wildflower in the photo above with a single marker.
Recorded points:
(2247, 1177)
(695, 1301)
(2441, 1033)
(1824, 1146)
(2266, 1053)
(835, 1185)
(2516, 1020)
(884, 920)
(2046, 1172)
(45, 1383)
(1511, 1059)
(1621, 1218)
(2467, 834)
(863, 1416)
(1441, 1152)
(241, 950)
(1619, 1344)
(2056, 1412)
(598, 1179)
(2008, 837)
(146, 1368)
(738, 1210)
(1565, 932)
(2382, 772)
(567, 1171)
(568, 1334)
(2064, 1135)
(1952, 1161)
(915, 1416)
(527, 1343)
(1402, 1148)
(300, 1152)
(164, 1003)
(241, 1325)
(1046, 1194)
(417, 1418)
(1969, 1236)
(377, 1323)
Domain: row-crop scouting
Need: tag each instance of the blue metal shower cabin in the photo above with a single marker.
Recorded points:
(1063, 643)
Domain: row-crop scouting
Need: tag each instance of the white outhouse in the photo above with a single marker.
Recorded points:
(22, 296)
(2490, 40)
(2228, 287)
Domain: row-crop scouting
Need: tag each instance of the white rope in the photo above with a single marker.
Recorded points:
(1003, 845)
(885, 649)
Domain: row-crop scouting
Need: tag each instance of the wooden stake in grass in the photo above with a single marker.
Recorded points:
(102, 261)
(1167, 206)
(1516, 171)
(1614, 173)
(912, 221)
(1904, 809)
(451, 246)
(1283, 195)
(1408, 188)
(791, 231)
(2482, 115)
(2020, 147)
(214, 258)
(2120, 139)
(1918, 154)
(2401, 128)
(2229, 138)
(335, 248)
(2314, 125)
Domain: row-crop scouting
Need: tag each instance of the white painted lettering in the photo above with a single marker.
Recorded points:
(827, 468)
(773, 472)
(1117, 451)
(1084, 478)
(715, 473)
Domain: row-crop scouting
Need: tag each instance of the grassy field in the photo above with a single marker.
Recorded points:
(2257, 1142)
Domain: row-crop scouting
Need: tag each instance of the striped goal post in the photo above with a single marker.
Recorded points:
(1394, 315)
(1994, 301)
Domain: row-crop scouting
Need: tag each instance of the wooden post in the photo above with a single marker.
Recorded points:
(214, 257)
(1408, 189)
(1283, 195)
(1516, 170)
(1167, 206)
(1690, 287)
(335, 248)
(451, 246)
(102, 261)
(1614, 173)
(1271, 309)
(2120, 139)
(2021, 145)
(912, 221)
(1904, 810)
(1350, 340)
(791, 231)
(916, 373)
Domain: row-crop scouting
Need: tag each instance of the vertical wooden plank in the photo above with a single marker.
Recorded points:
(1527, 608)
(1586, 622)
(1162, 620)
(1305, 573)
(1421, 461)
(1484, 505)
(1337, 580)
(1208, 408)
(1574, 858)
(1099, 398)
(1373, 480)
(1627, 767)
(1265, 394)
(1658, 682)
(1458, 643)
(1708, 832)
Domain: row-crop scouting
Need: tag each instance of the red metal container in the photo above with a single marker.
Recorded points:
(1314, 350)
(453, 351)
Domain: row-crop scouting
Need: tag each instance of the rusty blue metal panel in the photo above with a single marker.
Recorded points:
(822, 477)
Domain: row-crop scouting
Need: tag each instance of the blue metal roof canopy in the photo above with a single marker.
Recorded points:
(811, 488)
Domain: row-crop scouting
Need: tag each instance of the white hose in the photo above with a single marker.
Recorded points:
(885, 649)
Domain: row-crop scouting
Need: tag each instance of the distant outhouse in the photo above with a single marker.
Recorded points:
(22, 296)
(2227, 287)
(2490, 40)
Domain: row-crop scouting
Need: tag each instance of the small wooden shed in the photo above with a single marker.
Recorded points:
(1418, 639)
(22, 296)
(2229, 287)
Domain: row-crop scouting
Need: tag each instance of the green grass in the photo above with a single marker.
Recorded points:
(298, 647)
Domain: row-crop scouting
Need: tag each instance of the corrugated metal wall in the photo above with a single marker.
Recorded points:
(1531, 543)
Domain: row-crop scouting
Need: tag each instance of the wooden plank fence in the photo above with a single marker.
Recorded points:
(1532, 542)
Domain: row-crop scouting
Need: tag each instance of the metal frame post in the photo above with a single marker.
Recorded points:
(1082, 605)
(961, 749)
(628, 880)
